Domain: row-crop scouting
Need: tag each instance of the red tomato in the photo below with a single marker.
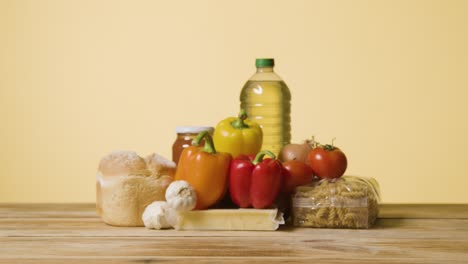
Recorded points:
(327, 161)
(296, 173)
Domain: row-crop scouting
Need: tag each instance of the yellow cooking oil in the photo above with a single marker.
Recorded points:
(267, 100)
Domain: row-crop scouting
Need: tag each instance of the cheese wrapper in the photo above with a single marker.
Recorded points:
(228, 219)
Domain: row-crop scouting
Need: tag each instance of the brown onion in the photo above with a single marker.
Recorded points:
(296, 151)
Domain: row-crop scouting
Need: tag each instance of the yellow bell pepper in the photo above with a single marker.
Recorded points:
(238, 135)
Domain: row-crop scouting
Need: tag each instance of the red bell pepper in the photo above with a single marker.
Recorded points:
(255, 183)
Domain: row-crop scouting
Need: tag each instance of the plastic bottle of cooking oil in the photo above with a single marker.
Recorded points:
(267, 100)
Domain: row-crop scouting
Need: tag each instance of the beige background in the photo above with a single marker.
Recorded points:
(78, 79)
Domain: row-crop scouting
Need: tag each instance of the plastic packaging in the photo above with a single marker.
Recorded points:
(267, 100)
(346, 202)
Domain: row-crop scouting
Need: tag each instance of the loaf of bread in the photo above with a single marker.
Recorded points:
(126, 183)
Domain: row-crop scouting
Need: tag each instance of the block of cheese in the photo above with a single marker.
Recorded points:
(229, 219)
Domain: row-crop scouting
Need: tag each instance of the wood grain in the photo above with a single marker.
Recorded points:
(424, 211)
(48, 211)
(439, 211)
(74, 234)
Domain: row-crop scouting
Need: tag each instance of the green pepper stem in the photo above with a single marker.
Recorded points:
(239, 122)
(261, 154)
(209, 145)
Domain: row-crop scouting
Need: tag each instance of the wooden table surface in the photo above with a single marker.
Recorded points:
(72, 233)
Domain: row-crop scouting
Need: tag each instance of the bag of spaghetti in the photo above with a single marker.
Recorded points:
(346, 202)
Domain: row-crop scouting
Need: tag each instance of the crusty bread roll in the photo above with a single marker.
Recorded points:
(158, 165)
(123, 163)
(126, 184)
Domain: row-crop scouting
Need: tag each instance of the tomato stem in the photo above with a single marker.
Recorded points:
(311, 142)
(328, 147)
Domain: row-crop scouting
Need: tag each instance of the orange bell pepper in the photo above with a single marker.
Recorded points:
(205, 169)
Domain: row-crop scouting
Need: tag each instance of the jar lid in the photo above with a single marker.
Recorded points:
(193, 129)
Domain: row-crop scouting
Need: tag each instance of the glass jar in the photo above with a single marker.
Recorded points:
(185, 135)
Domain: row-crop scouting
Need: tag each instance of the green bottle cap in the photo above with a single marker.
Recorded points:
(264, 62)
